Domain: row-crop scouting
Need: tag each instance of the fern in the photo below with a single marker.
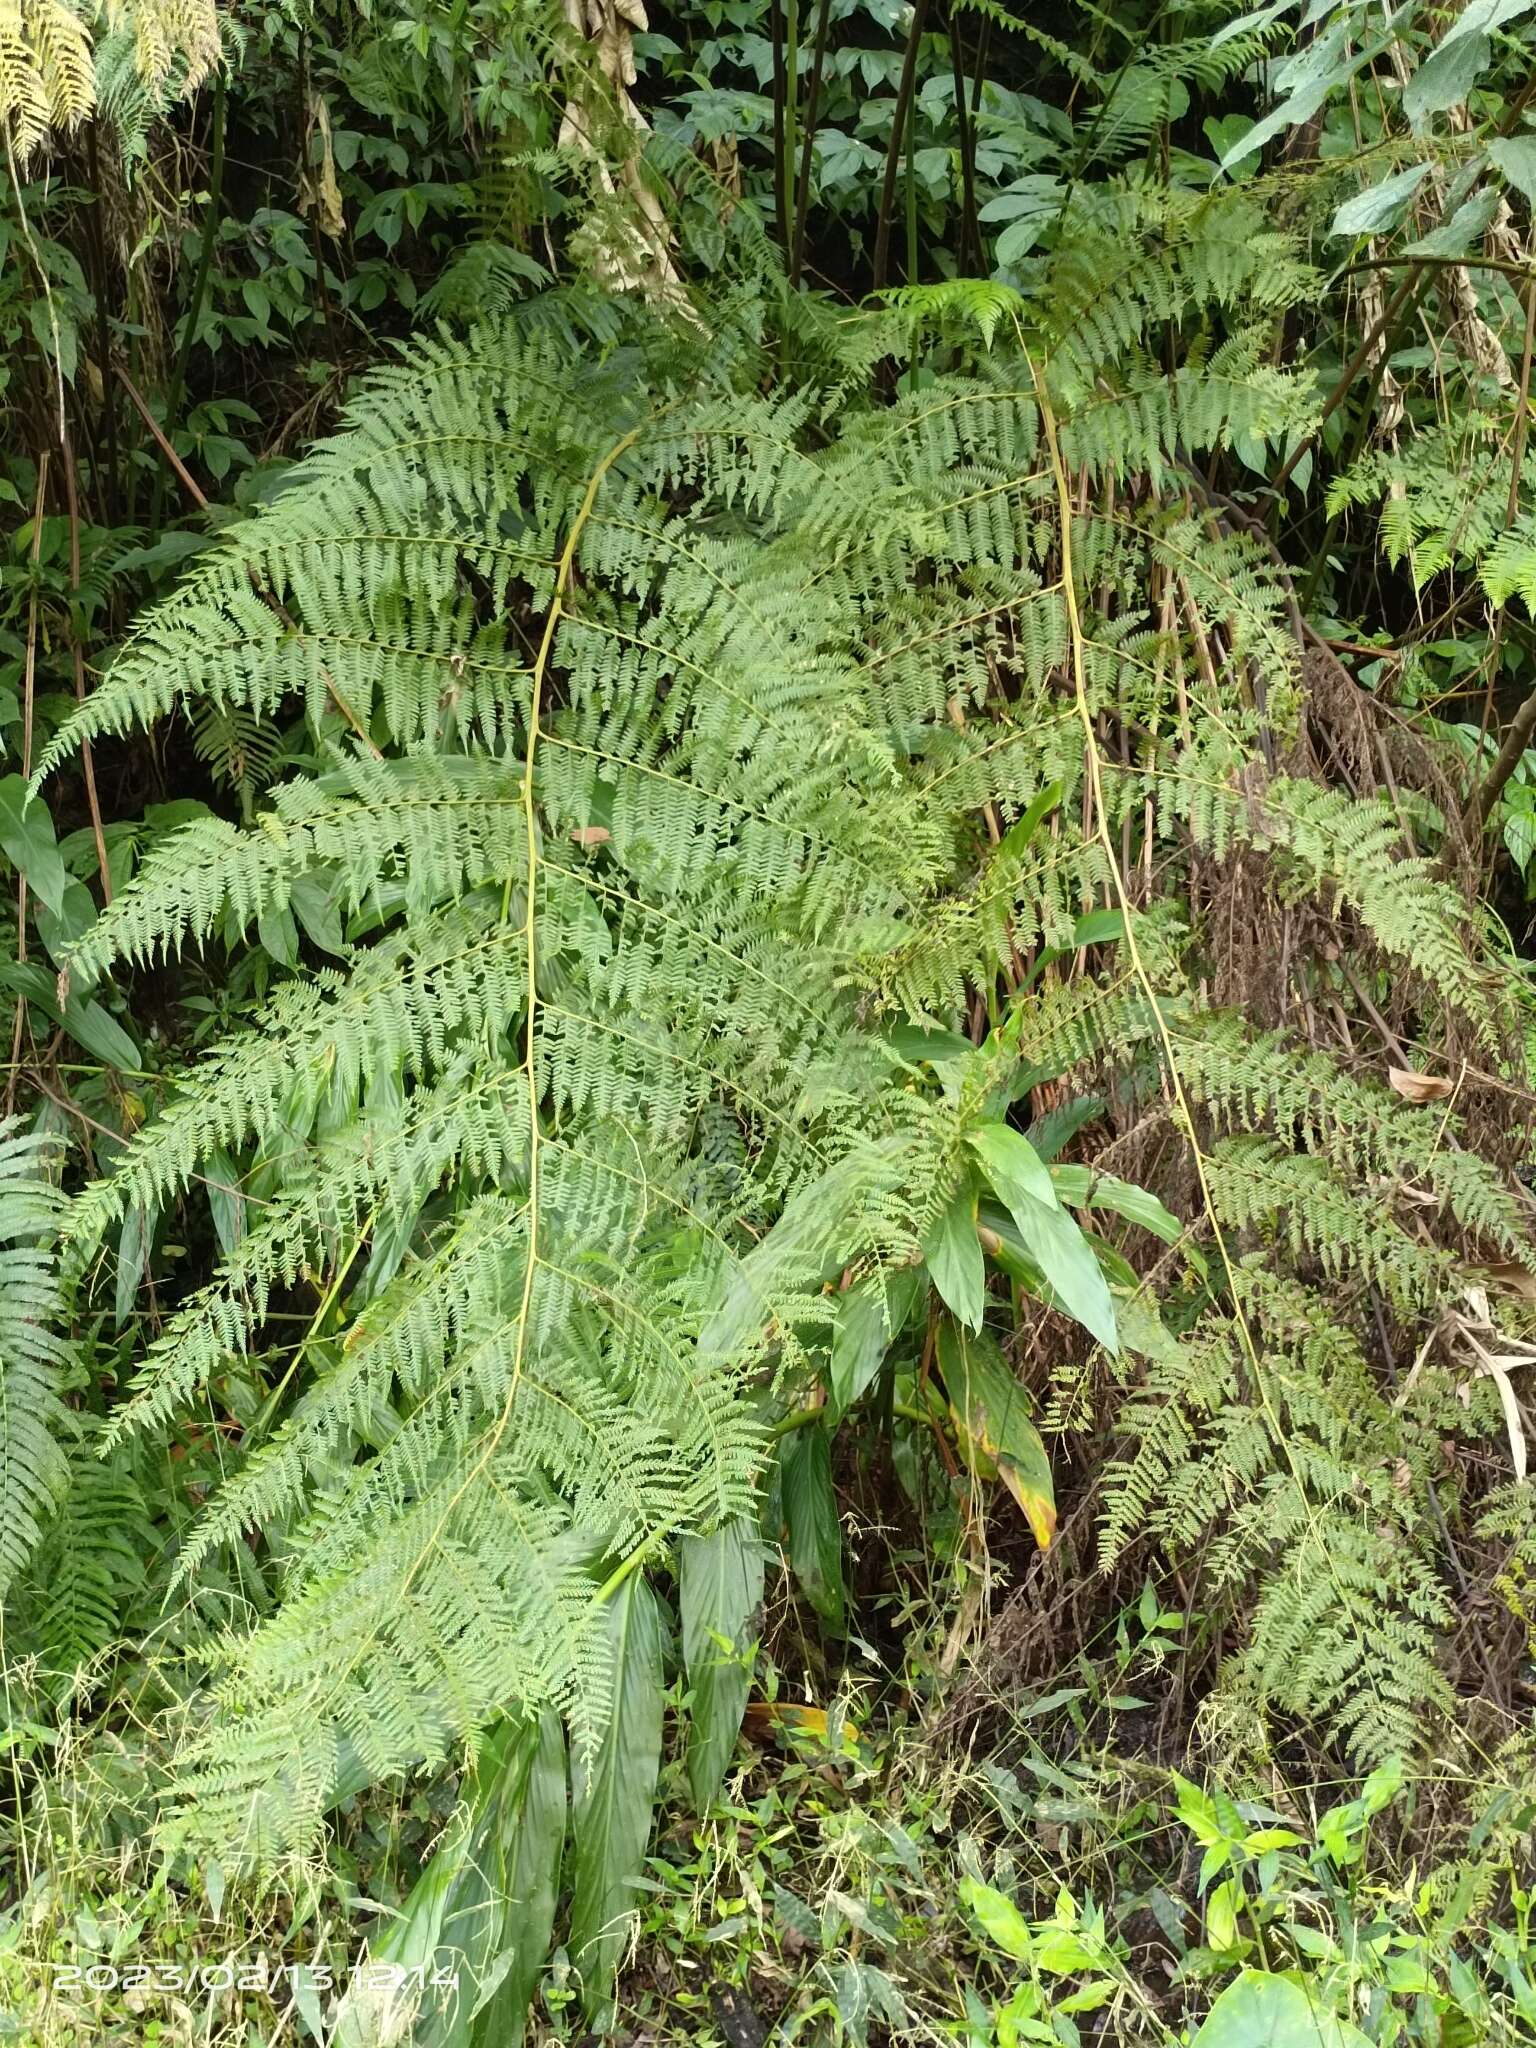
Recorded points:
(87, 1571)
(33, 1356)
(651, 895)
(48, 75)
(664, 751)
(1287, 1472)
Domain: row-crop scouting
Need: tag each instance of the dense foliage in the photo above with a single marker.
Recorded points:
(762, 1200)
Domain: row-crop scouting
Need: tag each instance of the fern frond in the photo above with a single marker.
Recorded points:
(33, 1355)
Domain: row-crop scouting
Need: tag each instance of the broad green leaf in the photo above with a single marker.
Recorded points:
(990, 1411)
(1221, 1911)
(1382, 1786)
(1243, 24)
(1463, 231)
(226, 1200)
(135, 1238)
(1034, 195)
(1093, 1995)
(1514, 158)
(1481, 17)
(614, 1794)
(1083, 1188)
(1445, 78)
(530, 1884)
(815, 1528)
(100, 1033)
(860, 1339)
(1098, 928)
(481, 1913)
(1012, 1165)
(1306, 80)
(26, 834)
(720, 1590)
(1016, 839)
(1381, 205)
(998, 1917)
(953, 1252)
(915, 1042)
(315, 900)
(59, 929)
(1061, 1951)
(1197, 1810)
(1056, 1248)
(86, 1020)
(278, 935)
(1262, 2010)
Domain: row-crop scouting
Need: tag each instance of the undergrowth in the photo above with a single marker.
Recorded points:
(767, 1265)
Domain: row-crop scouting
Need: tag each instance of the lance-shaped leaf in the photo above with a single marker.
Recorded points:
(530, 1883)
(472, 1938)
(815, 1529)
(720, 1591)
(869, 1315)
(953, 1253)
(1012, 1165)
(990, 1412)
(1048, 1236)
(615, 1791)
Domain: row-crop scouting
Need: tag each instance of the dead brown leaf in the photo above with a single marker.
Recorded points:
(1418, 1087)
(1513, 1278)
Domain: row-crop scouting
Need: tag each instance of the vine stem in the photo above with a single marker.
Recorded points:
(1184, 1116)
(552, 618)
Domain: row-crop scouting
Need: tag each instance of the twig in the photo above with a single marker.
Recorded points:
(98, 251)
(1516, 739)
(188, 482)
(1379, 332)
(970, 225)
(780, 169)
(1523, 404)
(1499, 263)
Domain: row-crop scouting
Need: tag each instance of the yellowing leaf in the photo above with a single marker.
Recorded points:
(767, 1717)
(991, 1416)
